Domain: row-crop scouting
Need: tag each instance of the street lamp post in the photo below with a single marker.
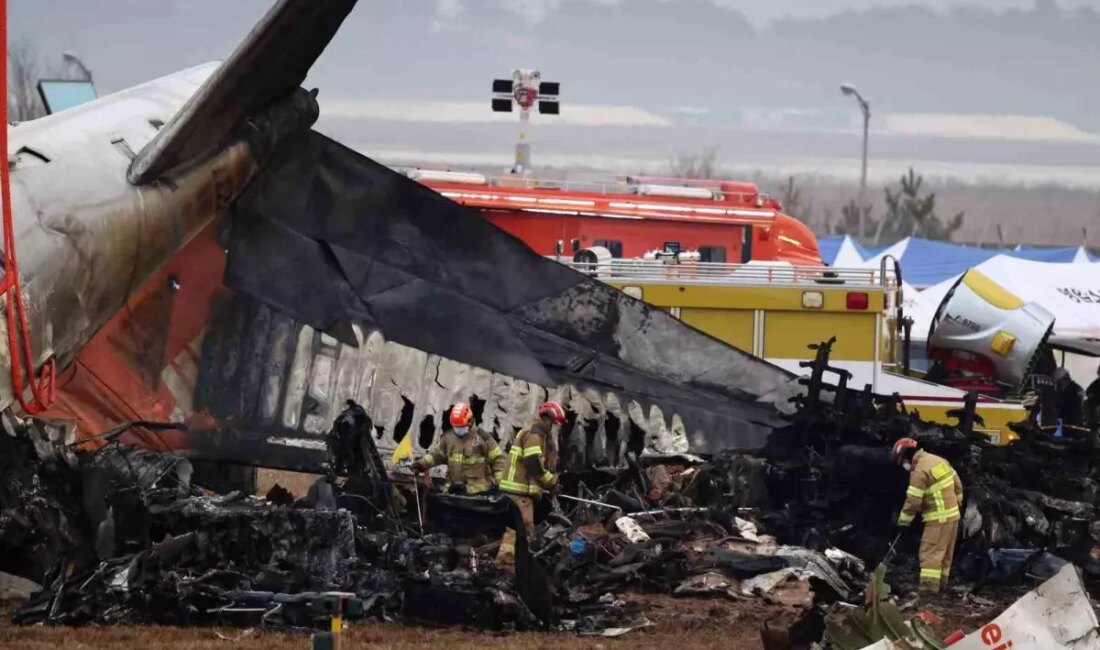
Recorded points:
(865, 108)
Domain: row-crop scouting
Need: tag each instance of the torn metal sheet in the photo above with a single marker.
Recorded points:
(235, 558)
(785, 587)
(817, 565)
(16, 588)
(304, 377)
(334, 240)
(615, 632)
(711, 582)
(41, 519)
(1056, 615)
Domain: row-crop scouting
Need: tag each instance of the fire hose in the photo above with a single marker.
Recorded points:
(43, 386)
(890, 551)
(588, 501)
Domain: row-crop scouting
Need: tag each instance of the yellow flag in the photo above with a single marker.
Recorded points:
(404, 449)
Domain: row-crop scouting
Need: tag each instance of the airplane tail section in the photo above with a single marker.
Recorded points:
(268, 66)
(331, 239)
(346, 280)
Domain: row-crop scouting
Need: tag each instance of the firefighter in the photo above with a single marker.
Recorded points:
(527, 475)
(475, 463)
(935, 493)
(1070, 399)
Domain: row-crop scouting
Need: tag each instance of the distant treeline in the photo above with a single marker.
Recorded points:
(1048, 215)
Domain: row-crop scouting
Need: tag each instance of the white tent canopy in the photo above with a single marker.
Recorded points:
(926, 263)
(1069, 291)
(848, 255)
(895, 250)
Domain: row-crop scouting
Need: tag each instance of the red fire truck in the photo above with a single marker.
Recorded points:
(722, 221)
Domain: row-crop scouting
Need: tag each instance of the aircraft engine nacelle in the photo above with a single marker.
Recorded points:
(981, 318)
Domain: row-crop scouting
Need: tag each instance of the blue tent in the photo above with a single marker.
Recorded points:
(1036, 254)
(925, 262)
(873, 250)
(829, 246)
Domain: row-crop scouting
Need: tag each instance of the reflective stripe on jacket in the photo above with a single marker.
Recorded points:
(527, 473)
(935, 491)
(471, 460)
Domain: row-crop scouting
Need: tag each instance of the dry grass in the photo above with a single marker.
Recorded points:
(388, 637)
(699, 624)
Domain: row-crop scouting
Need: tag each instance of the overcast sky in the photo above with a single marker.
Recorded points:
(129, 41)
(761, 11)
(1018, 57)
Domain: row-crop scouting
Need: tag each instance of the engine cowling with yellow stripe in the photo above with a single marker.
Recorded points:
(980, 317)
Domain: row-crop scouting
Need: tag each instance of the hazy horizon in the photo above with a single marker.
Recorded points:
(704, 56)
(986, 91)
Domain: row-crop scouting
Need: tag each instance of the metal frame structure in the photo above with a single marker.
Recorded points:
(658, 271)
(525, 89)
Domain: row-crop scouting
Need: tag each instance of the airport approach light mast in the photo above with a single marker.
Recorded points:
(525, 89)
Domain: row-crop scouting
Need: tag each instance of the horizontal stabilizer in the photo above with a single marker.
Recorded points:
(270, 64)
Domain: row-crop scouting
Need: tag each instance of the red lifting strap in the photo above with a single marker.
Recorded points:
(42, 387)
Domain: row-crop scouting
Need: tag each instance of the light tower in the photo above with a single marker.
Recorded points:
(525, 89)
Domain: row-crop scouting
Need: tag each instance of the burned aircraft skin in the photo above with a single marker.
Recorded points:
(105, 193)
(487, 320)
(386, 241)
(87, 237)
(797, 527)
(348, 247)
(345, 281)
(270, 383)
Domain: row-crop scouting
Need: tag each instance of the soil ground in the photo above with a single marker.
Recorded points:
(701, 624)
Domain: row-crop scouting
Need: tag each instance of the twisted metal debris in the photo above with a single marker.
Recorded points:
(795, 524)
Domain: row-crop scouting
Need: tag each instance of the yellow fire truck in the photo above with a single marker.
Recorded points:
(776, 311)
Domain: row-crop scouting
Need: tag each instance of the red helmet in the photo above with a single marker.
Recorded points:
(899, 448)
(461, 415)
(554, 411)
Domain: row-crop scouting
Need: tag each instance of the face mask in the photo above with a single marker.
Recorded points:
(462, 431)
(907, 466)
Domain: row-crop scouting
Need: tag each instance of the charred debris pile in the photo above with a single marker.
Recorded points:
(123, 535)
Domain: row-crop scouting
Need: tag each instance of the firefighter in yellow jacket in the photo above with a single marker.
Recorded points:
(935, 493)
(528, 475)
(475, 463)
